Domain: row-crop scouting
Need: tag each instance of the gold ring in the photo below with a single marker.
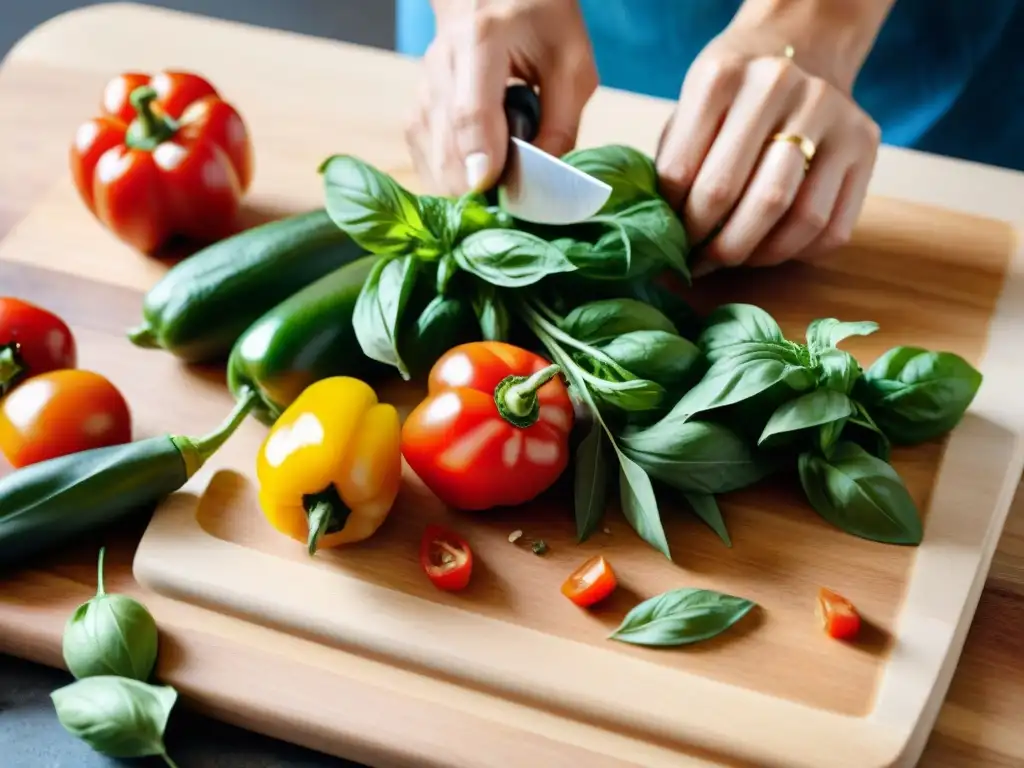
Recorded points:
(805, 145)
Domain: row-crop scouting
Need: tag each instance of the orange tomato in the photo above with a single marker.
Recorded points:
(62, 412)
(838, 617)
(591, 583)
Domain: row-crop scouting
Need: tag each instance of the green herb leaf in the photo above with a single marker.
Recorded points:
(630, 173)
(372, 208)
(628, 393)
(447, 268)
(656, 236)
(818, 407)
(681, 616)
(591, 481)
(110, 635)
(116, 716)
(828, 332)
(735, 323)
(660, 356)
(608, 318)
(861, 429)
(732, 380)
(379, 309)
(839, 370)
(510, 258)
(445, 322)
(706, 508)
(491, 313)
(915, 395)
(699, 457)
(861, 494)
(640, 505)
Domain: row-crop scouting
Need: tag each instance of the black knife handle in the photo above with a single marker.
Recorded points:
(522, 110)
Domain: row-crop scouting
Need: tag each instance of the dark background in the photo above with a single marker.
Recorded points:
(30, 736)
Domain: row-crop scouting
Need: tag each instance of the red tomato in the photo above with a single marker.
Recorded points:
(838, 616)
(62, 412)
(446, 558)
(591, 583)
(32, 341)
(494, 428)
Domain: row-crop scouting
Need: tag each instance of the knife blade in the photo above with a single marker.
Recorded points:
(536, 186)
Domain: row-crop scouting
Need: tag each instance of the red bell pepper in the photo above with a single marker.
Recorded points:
(494, 428)
(838, 617)
(32, 341)
(166, 157)
(446, 558)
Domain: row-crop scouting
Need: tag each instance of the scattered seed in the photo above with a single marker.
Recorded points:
(608, 531)
(515, 536)
(540, 547)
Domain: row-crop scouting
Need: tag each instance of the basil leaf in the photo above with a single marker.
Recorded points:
(116, 716)
(110, 635)
(861, 429)
(701, 457)
(829, 434)
(445, 322)
(590, 482)
(379, 309)
(811, 410)
(656, 237)
(630, 173)
(447, 268)
(706, 508)
(839, 370)
(607, 318)
(860, 494)
(640, 505)
(915, 395)
(733, 380)
(491, 313)
(629, 394)
(372, 208)
(660, 356)
(510, 258)
(734, 323)
(827, 332)
(681, 616)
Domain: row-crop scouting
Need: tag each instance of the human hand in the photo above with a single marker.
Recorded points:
(719, 165)
(458, 134)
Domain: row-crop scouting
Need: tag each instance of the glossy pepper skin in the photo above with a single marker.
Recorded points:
(494, 428)
(330, 468)
(165, 157)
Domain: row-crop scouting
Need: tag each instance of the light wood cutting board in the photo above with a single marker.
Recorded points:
(402, 667)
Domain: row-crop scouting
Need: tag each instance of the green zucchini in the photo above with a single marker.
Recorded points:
(203, 304)
(305, 338)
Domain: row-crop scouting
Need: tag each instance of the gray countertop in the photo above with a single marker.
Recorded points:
(31, 736)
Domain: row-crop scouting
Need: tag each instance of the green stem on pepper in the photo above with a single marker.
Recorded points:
(197, 451)
(149, 129)
(516, 396)
(11, 368)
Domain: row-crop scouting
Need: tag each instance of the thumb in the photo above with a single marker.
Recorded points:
(564, 93)
(480, 129)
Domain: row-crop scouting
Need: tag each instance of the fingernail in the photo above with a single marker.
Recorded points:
(477, 166)
(705, 268)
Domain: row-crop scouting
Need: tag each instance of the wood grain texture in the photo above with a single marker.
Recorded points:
(403, 715)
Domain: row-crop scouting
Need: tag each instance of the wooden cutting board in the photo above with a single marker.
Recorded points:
(381, 668)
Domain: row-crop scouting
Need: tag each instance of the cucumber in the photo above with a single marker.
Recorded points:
(305, 338)
(203, 304)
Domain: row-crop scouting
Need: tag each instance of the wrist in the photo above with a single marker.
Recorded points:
(830, 38)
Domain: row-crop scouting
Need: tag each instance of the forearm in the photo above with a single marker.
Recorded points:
(831, 38)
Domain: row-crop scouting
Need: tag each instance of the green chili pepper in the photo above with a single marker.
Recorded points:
(45, 505)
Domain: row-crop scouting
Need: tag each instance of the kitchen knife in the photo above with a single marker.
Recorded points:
(538, 187)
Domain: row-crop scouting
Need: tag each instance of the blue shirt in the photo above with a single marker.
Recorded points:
(944, 76)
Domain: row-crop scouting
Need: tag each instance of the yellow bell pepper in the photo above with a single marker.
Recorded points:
(330, 468)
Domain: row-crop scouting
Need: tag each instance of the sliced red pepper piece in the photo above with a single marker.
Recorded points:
(446, 558)
(591, 583)
(838, 617)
